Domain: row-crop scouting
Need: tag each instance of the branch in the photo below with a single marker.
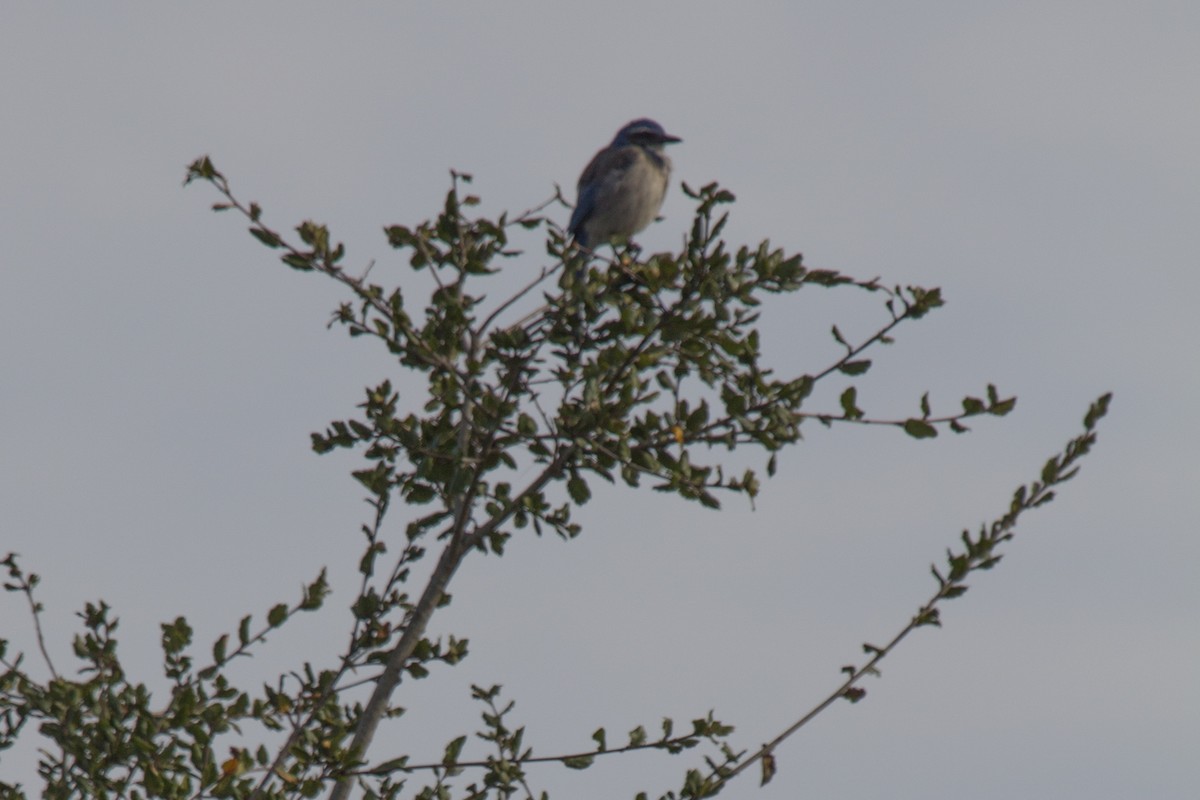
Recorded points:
(542, 275)
(448, 563)
(680, 742)
(321, 259)
(979, 555)
(24, 584)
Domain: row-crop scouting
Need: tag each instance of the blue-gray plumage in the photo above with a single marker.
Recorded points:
(622, 189)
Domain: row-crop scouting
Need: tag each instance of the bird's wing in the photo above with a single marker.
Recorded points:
(585, 202)
(607, 167)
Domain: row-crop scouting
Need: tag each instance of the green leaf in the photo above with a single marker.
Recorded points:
(453, 750)
(416, 493)
(315, 593)
(1050, 471)
(578, 762)
(391, 765)
(1003, 407)
(201, 169)
(526, 426)
(269, 238)
(1096, 410)
(219, 649)
(277, 615)
(599, 738)
(848, 400)
(855, 367)
(928, 616)
(919, 429)
(637, 736)
(578, 489)
(175, 636)
(295, 261)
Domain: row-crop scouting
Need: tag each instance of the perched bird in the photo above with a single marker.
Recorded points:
(622, 188)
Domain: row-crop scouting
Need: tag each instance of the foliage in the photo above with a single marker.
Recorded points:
(638, 369)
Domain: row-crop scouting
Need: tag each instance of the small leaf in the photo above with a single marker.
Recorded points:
(637, 736)
(768, 768)
(1050, 471)
(450, 757)
(1097, 410)
(578, 489)
(928, 616)
(277, 615)
(219, 648)
(599, 738)
(390, 766)
(855, 367)
(849, 408)
(300, 262)
(1002, 407)
(269, 238)
(919, 429)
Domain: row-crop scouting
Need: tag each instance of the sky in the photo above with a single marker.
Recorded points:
(162, 371)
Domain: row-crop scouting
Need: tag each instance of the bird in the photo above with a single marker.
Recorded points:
(623, 186)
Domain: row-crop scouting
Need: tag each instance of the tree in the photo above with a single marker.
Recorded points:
(639, 369)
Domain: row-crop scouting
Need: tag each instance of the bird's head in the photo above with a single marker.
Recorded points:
(644, 133)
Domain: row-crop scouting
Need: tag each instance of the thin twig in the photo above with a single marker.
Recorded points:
(543, 274)
(679, 741)
(25, 584)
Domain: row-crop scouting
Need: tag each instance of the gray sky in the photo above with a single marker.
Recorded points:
(1037, 161)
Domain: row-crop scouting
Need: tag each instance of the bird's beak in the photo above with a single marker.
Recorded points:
(669, 139)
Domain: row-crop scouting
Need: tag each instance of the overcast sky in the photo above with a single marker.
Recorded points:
(1037, 160)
